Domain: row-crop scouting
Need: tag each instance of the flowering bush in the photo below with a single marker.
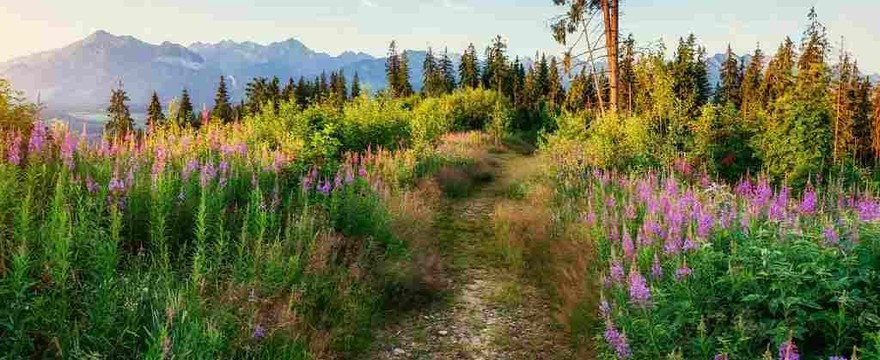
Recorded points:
(701, 270)
(196, 243)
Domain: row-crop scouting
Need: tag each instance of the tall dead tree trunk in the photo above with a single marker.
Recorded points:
(610, 18)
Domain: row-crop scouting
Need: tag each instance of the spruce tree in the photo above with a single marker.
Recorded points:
(406, 88)
(627, 75)
(447, 72)
(542, 77)
(469, 68)
(779, 77)
(730, 85)
(120, 122)
(222, 110)
(862, 119)
(185, 114)
(844, 87)
(750, 94)
(289, 92)
(431, 85)
(495, 73)
(355, 86)
(556, 93)
(519, 79)
(875, 124)
(155, 117)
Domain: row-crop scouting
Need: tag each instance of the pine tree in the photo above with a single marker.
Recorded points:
(862, 119)
(730, 85)
(779, 77)
(469, 68)
(556, 93)
(691, 80)
(155, 117)
(875, 124)
(185, 114)
(355, 86)
(627, 75)
(222, 110)
(447, 72)
(289, 91)
(120, 122)
(576, 99)
(495, 73)
(843, 106)
(397, 72)
(406, 88)
(519, 80)
(542, 77)
(301, 93)
(323, 87)
(751, 96)
(431, 78)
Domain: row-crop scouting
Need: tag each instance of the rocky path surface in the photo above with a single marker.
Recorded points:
(475, 321)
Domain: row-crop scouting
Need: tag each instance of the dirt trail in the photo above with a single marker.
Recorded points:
(477, 322)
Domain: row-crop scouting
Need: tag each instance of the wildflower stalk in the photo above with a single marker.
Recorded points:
(201, 234)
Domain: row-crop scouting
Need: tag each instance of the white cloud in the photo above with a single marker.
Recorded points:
(368, 3)
(450, 4)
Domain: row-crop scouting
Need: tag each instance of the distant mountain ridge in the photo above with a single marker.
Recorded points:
(80, 76)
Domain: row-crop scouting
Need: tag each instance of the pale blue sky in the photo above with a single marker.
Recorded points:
(333, 26)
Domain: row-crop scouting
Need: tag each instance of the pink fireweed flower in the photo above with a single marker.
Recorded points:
(38, 138)
(604, 308)
(616, 271)
(259, 332)
(91, 186)
(208, 173)
(830, 235)
(324, 187)
(617, 341)
(191, 166)
(744, 188)
(683, 272)
(67, 149)
(13, 150)
(720, 357)
(688, 244)
(362, 172)
(337, 181)
(629, 251)
(788, 351)
(639, 293)
(704, 225)
(808, 203)
(656, 268)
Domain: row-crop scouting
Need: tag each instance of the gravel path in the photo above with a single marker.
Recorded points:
(475, 322)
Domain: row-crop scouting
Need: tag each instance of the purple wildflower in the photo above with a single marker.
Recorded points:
(68, 147)
(604, 309)
(788, 351)
(629, 250)
(720, 357)
(837, 357)
(13, 152)
(639, 293)
(704, 225)
(259, 332)
(617, 341)
(808, 203)
(38, 138)
(683, 272)
(590, 218)
(324, 188)
(831, 235)
(208, 173)
(189, 168)
(616, 271)
(656, 268)
(91, 185)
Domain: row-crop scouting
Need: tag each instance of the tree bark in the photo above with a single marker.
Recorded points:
(610, 17)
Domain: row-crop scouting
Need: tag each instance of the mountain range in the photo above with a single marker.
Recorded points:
(78, 78)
